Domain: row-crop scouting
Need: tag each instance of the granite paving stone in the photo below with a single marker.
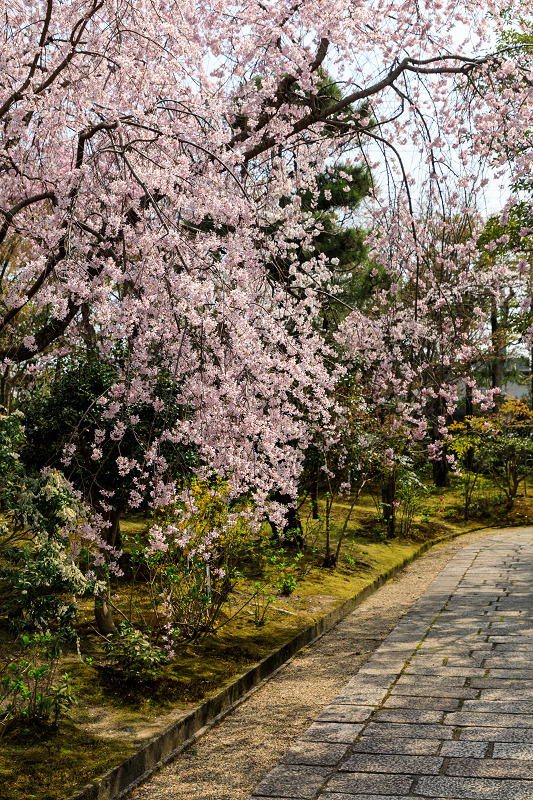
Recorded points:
(433, 682)
(289, 781)
(513, 673)
(522, 662)
(414, 747)
(398, 656)
(428, 691)
(370, 783)
(392, 730)
(422, 703)
(496, 734)
(480, 718)
(512, 750)
(490, 768)
(359, 699)
(500, 683)
(473, 788)
(443, 710)
(516, 638)
(415, 716)
(479, 660)
(344, 796)
(370, 762)
(319, 754)
(451, 650)
(462, 749)
(332, 732)
(380, 673)
(346, 713)
(372, 683)
(355, 695)
(415, 669)
(499, 706)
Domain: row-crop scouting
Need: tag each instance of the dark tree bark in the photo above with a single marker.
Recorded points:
(314, 494)
(388, 497)
(292, 532)
(469, 409)
(113, 533)
(531, 377)
(498, 326)
(440, 466)
(441, 473)
(103, 614)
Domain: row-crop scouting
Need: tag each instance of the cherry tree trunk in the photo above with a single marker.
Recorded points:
(499, 350)
(388, 497)
(314, 495)
(291, 533)
(103, 614)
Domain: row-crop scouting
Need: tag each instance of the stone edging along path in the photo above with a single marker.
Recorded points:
(178, 736)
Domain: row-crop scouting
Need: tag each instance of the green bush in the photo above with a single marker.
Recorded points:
(28, 693)
(38, 577)
(129, 651)
(286, 584)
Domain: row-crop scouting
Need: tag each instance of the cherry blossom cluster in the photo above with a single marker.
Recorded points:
(153, 160)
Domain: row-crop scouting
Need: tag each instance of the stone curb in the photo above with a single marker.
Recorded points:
(168, 744)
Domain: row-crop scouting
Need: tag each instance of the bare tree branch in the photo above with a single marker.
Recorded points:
(13, 211)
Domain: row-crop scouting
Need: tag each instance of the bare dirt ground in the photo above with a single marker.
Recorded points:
(231, 759)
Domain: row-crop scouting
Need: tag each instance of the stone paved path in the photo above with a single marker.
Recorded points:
(444, 708)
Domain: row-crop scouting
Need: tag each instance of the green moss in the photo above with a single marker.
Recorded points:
(51, 764)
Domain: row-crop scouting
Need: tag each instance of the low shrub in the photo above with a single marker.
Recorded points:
(130, 652)
(28, 691)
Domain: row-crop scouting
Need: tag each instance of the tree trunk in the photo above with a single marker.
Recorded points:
(330, 560)
(440, 466)
(498, 347)
(441, 474)
(292, 532)
(314, 494)
(469, 411)
(531, 377)
(388, 497)
(88, 331)
(4, 393)
(103, 614)
(113, 533)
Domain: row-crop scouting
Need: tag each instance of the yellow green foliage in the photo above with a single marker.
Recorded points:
(510, 418)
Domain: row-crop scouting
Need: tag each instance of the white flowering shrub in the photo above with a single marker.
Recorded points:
(39, 579)
(44, 583)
